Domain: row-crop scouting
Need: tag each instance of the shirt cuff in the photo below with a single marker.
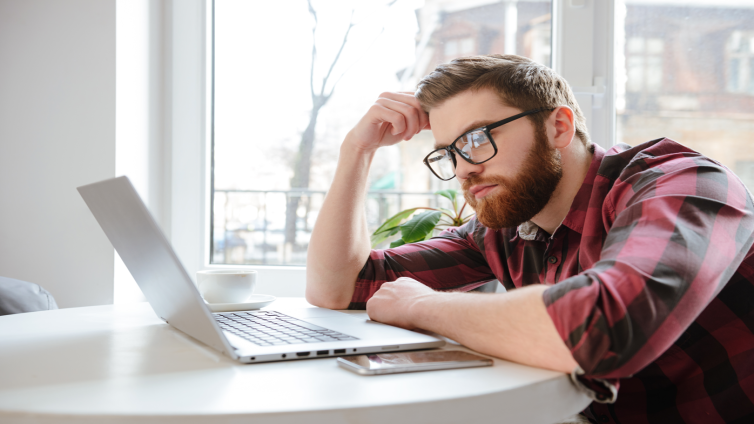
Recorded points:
(599, 390)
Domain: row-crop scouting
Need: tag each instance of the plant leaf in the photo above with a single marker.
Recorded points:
(448, 194)
(379, 238)
(397, 243)
(419, 226)
(394, 221)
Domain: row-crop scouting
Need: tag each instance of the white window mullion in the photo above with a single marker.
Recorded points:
(583, 51)
(188, 116)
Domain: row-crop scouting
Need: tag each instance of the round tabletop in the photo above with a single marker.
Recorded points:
(115, 363)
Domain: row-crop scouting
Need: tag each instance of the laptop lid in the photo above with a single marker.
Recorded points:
(150, 258)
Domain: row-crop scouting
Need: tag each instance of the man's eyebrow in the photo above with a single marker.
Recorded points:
(472, 126)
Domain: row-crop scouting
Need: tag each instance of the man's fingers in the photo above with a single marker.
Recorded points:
(396, 119)
(405, 280)
(413, 121)
(409, 99)
(402, 97)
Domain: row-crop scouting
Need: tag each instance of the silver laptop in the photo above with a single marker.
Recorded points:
(247, 336)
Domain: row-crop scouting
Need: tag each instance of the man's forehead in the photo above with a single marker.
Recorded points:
(464, 112)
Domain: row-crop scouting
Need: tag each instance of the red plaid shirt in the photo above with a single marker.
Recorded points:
(652, 283)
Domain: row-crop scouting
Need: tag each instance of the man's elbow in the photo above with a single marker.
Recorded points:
(328, 289)
(322, 300)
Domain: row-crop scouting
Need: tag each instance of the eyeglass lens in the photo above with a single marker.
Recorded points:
(473, 146)
(442, 164)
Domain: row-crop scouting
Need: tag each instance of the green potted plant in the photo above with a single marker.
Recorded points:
(421, 225)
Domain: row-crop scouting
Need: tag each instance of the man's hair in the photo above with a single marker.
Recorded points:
(519, 81)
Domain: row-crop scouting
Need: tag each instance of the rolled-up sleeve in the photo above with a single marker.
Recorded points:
(677, 233)
(450, 261)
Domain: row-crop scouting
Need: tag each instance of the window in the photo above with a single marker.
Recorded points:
(459, 47)
(740, 50)
(292, 78)
(538, 39)
(644, 64)
(686, 74)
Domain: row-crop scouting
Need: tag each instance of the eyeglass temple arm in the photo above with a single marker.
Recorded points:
(513, 118)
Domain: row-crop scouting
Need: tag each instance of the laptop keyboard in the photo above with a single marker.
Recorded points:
(270, 328)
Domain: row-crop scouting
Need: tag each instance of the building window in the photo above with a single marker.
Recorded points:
(644, 64)
(459, 47)
(740, 52)
(701, 65)
(537, 40)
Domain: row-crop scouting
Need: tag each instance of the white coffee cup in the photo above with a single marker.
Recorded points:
(226, 285)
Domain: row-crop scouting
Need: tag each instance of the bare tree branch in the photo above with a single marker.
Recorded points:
(314, 49)
(354, 63)
(351, 25)
(303, 159)
(337, 56)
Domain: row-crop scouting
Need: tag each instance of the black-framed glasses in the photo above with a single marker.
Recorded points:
(475, 146)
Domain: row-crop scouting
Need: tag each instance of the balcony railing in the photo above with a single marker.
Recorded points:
(249, 225)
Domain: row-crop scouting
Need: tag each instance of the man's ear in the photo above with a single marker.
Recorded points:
(561, 127)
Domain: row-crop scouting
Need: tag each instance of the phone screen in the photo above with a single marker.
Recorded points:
(387, 363)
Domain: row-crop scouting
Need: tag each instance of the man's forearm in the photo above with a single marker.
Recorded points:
(513, 326)
(340, 244)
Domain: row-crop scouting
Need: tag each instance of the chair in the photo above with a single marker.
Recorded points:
(18, 296)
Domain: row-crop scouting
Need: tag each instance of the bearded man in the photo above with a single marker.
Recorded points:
(630, 269)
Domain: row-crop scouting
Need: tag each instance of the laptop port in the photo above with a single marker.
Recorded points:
(300, 354)
(322, 352)
(339, 351)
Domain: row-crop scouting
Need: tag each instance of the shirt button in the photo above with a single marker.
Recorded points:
(552, 259)
(604, 418)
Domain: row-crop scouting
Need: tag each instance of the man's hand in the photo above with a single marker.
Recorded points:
(393, 302)
(392, 118)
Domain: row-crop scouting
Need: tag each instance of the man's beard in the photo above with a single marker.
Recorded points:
(518, 199)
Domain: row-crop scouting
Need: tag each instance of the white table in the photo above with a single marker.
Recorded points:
(116, 363)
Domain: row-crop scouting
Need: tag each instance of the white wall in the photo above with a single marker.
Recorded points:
(57, 132)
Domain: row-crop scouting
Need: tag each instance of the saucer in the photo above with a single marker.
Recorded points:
(256, 301)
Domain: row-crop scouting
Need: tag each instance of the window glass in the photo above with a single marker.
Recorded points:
(684, 71)
(293, 77)
(740, 52)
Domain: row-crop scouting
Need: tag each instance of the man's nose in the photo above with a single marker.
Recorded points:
(465, 169)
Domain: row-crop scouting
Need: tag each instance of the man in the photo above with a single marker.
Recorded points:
(629, 269)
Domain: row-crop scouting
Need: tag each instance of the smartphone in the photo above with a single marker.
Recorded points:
(391, 363)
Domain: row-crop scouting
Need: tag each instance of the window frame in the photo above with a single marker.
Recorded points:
(575, 24)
